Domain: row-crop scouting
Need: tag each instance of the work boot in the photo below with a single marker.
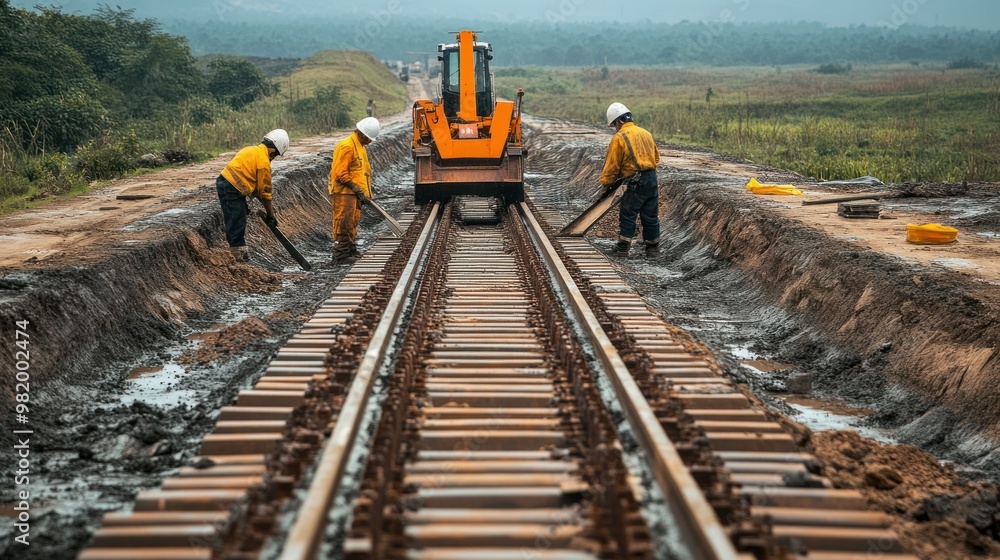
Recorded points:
(240, 254)
(652, 248)
(621, 248)
(354, 252)
(342, 258)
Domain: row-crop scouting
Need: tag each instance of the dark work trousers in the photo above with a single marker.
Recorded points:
(642, 201)
(234, 212)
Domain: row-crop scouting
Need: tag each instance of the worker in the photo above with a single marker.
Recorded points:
(632, 158)
(248, 174)
(350, 187)
(370, 109)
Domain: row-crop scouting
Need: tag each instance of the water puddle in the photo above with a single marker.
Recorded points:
(767, 366)
(155, 385)
(954, 263)
(656, 271)
(833, 406)
(944, 209)
(171, 212)
(822, 415)
(742, 354)
(818, 414)
(202, 336)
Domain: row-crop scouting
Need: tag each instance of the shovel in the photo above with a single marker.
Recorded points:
(393, 224)
(286, 243)
(397, 230)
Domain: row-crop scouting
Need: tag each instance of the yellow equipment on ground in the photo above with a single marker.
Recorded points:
(756, 187)
(930, 234)
(467, 143)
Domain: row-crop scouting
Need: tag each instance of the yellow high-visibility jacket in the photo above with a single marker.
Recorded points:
(619, 161)
(350, 164)
(250, 172)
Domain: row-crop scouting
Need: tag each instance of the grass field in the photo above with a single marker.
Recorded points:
(898, 123)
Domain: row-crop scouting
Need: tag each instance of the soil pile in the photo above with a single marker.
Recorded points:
(228, 340)
(937, 513)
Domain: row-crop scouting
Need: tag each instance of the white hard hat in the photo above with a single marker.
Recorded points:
(616, 110)
(279, 138)
(369, 127)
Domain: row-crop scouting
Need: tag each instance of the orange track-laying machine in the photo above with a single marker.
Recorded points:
(467, 143)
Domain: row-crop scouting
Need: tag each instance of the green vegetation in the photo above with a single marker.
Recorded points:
(359, 75)
(965, 63)
(82, 97)
(834, 68)
(237, 82)
(898, 123)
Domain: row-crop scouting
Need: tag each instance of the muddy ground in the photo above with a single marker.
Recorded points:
(779, 300)
(137, 347)
(143, 327)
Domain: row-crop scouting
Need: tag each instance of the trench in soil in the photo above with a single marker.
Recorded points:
(137, 353)
(882, 341)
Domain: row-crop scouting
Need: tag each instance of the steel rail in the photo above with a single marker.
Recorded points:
(701, 529)
(306, 534)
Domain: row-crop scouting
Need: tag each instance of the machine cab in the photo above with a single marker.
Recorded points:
(451, 79)
(466, 142)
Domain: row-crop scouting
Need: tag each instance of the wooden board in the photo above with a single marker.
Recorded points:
(597, 210)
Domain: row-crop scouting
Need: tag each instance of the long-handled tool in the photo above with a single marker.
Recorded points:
(397, 229)
(285, 242)
(393, 224)
(597, 210)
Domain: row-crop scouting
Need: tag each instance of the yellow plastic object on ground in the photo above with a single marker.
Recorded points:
(756, 188)
(930, 234)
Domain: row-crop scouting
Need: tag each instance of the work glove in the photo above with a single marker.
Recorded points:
(271, 221)
(606, 190)
(362, 199)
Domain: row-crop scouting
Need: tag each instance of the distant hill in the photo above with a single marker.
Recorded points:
(583, 44)
(359, 75)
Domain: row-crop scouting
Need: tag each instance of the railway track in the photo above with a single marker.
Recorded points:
(483, 350)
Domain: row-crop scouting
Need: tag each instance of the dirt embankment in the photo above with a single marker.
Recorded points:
(161, 292)
(131, 290)
(934, 330)
(782, 287)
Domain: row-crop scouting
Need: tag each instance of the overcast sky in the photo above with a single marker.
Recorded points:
(978, 14)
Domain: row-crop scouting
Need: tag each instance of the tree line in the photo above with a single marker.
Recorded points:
(65, 78)
(93, 97)
(593, 44)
